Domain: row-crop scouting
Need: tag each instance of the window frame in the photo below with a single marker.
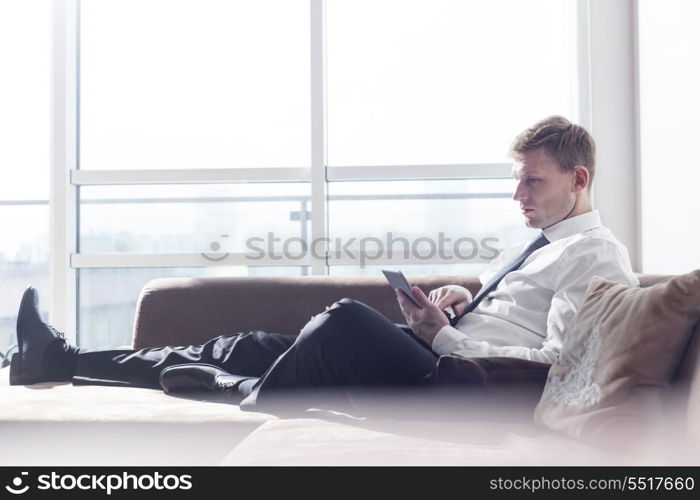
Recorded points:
(66, 175)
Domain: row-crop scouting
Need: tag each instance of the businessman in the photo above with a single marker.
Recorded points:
(528, 299)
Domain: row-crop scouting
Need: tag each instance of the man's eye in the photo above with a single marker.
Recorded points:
(532, 179)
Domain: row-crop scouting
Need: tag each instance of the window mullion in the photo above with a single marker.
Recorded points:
(318, 135)
(64, 147)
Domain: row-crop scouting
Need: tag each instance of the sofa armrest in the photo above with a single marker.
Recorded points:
(518, 382)
(184, 311)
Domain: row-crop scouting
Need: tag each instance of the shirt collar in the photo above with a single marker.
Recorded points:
(574, 225)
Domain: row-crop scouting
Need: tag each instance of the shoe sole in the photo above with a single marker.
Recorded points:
(182, 384)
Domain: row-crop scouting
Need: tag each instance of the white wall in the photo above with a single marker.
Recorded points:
(669, 54)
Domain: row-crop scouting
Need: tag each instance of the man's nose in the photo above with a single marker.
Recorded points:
(518, 193)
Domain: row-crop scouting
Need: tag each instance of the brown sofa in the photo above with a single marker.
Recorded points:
(454, 427)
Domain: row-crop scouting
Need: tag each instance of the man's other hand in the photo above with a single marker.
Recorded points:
(425, 321)
(451, 295)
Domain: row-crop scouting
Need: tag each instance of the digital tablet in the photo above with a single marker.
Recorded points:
(398, 280)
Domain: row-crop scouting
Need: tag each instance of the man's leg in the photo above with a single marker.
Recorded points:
(44, 355)
(350, 344)
(247, 354)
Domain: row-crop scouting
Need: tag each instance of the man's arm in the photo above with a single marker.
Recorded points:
(571, 277)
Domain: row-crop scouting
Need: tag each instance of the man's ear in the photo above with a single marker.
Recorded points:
(581, 178)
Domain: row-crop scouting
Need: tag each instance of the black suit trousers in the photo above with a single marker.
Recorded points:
(349, 344)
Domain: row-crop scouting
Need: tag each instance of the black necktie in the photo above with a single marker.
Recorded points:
(539, 242)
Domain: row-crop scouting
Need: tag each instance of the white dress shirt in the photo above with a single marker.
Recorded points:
(527, 315)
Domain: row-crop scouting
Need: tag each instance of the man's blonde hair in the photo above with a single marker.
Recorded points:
(565, 142)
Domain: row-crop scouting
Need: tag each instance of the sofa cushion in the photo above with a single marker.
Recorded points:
(620, 354)
(50, 424)
(338, 442)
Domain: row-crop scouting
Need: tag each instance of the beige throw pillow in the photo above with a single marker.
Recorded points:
(619, 354)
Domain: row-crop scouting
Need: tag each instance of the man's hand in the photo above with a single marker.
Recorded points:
(451, 295)
(425, 321)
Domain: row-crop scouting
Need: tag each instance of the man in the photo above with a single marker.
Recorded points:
(522, 311)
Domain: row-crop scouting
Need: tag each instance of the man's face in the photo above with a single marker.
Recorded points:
(546, 194)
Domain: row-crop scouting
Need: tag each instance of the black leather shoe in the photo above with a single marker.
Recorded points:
(199, 378)
(43, 353)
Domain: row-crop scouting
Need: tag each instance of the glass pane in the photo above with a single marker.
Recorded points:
(195, 84)
(24, 99)
(464, 222)
(108, 298)
(444, 81)
(190, 218)
(24, 261)
(410, 270)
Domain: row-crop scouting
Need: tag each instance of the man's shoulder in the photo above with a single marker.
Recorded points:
(600, 237)
(598, 251)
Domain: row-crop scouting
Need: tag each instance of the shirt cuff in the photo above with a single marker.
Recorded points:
(447, 339)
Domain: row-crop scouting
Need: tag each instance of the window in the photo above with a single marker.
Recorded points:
(444, 81)
(437, 226)
(220, 122)
(189, 218)
(24, 158)
(194, 84)
(108, 298)
(427, 86)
